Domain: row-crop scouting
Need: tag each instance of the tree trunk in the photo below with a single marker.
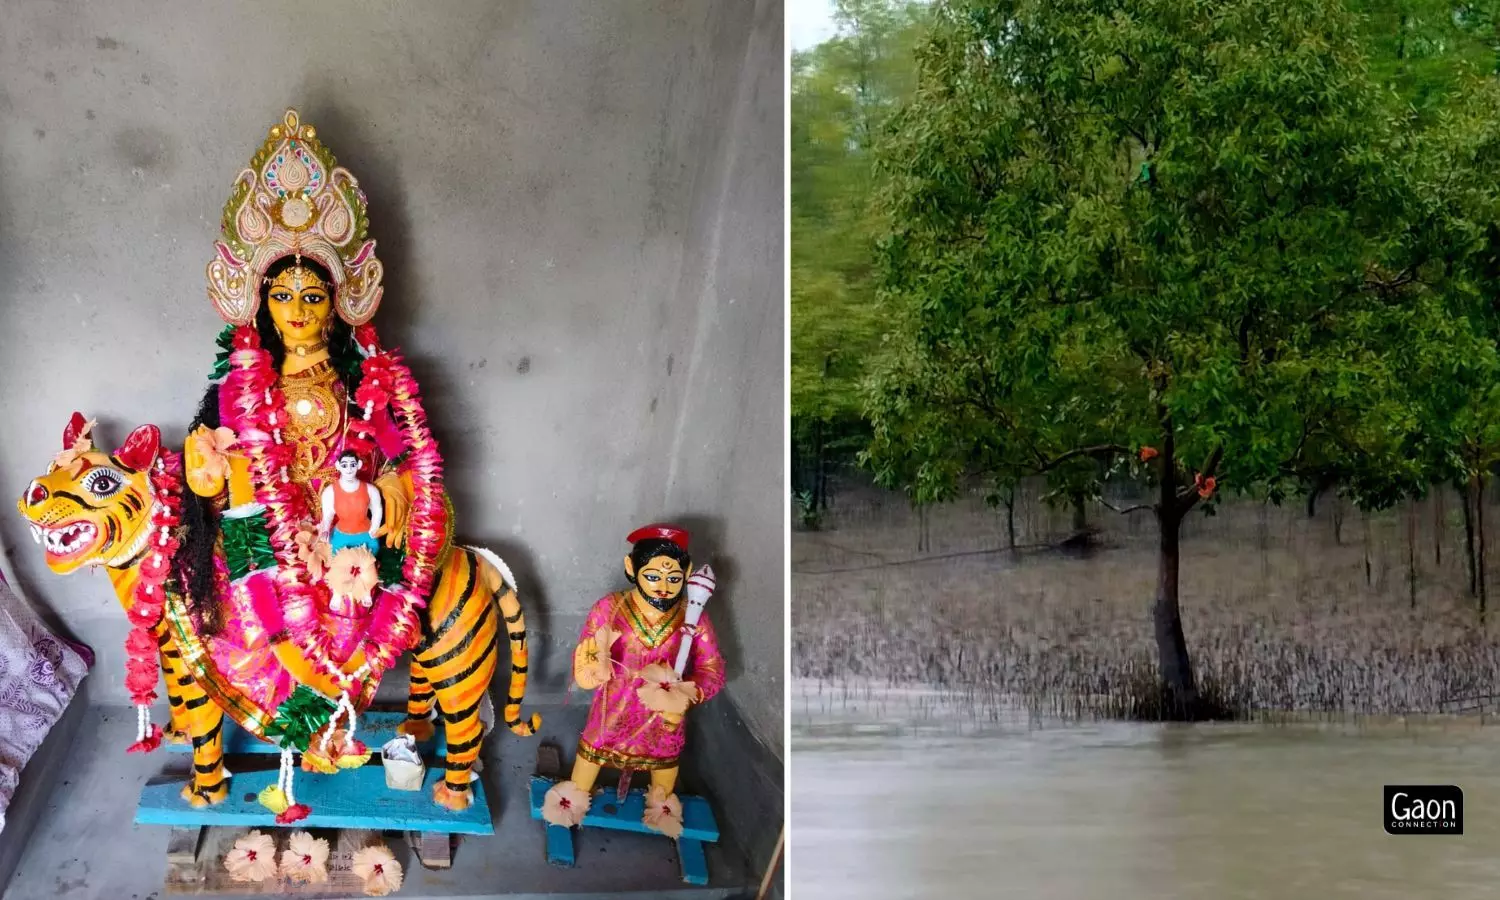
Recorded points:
(1338, 521)
(1437, 525)
(1365, 523)
(1479, 481)
(1411, 548)
(820, 469)
(1174, 665)
(1467, 489)
(1080, 514)
(1010, 516)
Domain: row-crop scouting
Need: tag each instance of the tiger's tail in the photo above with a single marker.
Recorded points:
(502, 586)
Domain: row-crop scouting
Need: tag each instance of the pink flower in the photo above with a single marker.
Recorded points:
(664, 692)
(253, 858)
(596, 665)
(663, 812)
(353, 574)
(140, 643)
(379, 869)
(565, 804)
(305, 858)
(211, 447)
(312, 552)
(71, 458)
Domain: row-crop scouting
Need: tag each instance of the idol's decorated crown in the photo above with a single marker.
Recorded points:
(294, 200)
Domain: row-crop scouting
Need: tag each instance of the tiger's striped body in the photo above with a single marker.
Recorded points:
(452, 665)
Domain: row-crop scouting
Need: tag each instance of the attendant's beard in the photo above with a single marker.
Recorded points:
(658, 603)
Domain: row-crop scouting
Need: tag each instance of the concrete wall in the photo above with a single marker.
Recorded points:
(579, 209)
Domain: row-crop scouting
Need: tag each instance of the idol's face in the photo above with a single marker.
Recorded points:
(347, 465)
(299, 305)
(660, 579)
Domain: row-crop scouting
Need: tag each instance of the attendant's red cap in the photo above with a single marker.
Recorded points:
(665, 532)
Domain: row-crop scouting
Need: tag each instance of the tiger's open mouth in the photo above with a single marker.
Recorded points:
(66, 541)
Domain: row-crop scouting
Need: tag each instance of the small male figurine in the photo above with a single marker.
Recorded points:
(352, 509)
(631, 655)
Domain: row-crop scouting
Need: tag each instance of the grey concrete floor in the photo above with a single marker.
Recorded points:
(86, 845)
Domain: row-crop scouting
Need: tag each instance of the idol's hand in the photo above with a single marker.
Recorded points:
(204, 458)
(395, 498)
(591, 660)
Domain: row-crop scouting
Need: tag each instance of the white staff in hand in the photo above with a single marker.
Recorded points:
(700, 586)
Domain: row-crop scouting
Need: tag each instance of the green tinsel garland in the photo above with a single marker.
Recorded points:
(388, 563)
(247, 544)
(225, 340)
(299, 717)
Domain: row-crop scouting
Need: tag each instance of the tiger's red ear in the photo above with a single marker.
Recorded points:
(74, 429)
(140, 449)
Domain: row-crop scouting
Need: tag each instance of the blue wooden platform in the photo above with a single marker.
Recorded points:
(698, 826)
(375, 728)
(353, 798)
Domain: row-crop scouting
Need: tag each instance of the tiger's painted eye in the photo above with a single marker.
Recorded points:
(103, 482)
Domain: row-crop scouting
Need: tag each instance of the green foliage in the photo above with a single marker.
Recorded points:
(299, 717)
(842, 92)
(1152, 226)
(1421, 48)
(808, 514)
(1266, 230)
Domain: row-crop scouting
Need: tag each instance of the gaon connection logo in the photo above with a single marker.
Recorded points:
(1424, 809)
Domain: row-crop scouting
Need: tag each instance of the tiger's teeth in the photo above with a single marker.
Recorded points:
(36, 533)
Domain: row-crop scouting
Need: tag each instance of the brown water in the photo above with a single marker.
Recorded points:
(899, 795)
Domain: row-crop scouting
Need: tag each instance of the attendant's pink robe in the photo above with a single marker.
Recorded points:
(622, 733)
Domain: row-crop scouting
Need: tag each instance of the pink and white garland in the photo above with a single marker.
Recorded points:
(259, 410)
(142, 667)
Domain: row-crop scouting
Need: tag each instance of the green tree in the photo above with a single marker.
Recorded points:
(1452, 367)
(1146, 240)
(842, 92)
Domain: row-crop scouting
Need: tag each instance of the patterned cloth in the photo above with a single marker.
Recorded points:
(39, 674)
(621, 731)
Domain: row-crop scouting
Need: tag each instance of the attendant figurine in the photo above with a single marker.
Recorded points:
(351, 508)
(629, 655)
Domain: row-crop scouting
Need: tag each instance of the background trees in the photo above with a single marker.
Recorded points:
(842, 93)
(1247, 246)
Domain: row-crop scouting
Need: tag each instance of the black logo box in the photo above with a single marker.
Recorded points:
(1423, 809)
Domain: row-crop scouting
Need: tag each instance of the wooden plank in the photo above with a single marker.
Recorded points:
(560, 846)
(375, 728)
(433, 851)
(354, 798)
(208, 877)
(182, 845)
(694, 865)
(698, 821)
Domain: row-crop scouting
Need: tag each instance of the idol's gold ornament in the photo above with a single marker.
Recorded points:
(294, 200)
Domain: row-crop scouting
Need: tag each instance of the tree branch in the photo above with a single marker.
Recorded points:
(1129, 509)
(1096, 450)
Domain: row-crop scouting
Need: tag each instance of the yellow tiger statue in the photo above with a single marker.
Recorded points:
(116, 510)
